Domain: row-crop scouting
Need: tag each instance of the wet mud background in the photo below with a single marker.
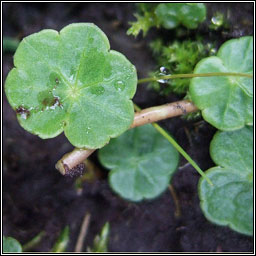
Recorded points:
(37, 197)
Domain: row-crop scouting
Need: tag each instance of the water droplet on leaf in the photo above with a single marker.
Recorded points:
(97, 90)
(119, 85)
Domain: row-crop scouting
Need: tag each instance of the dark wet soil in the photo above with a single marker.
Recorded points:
(37, 197)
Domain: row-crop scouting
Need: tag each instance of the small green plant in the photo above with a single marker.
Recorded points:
(178, 58)
(146, 19)
(168, 15)
(133, 159)
(226, 102)
(62, 241)
(230, 200)
(59, 75)
(71, 81)
(11, 245)
(189, 15)
(100, 242)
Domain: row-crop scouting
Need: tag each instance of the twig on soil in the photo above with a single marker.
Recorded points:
(177, 212)
(83, 232)
(145, 116)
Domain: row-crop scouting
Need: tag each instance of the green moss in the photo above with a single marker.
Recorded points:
(177, 58)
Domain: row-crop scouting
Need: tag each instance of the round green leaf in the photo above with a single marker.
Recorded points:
(141, 161)
(71, 81)
(234, 149)
(190, 15)
(230, 200)
(227, 101)
(11, 245)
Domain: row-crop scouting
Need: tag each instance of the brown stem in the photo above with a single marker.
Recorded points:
(177, 212)
(83, 232)
(145, 116)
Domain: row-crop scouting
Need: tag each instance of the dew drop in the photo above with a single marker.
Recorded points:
(119, 85)
(97, 90)
(162, 81)
(163, 72)
(217, 20)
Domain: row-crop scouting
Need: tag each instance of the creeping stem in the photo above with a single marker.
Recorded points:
(176, 145)
(72, 159)
(149, 115)
(145, 116)
(155, 114)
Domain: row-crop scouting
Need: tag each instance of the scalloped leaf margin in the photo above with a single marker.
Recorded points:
(230, 201)
(226, 102)
(141, 163)
(71, 81)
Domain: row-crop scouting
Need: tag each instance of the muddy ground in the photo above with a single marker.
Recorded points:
(37, 197)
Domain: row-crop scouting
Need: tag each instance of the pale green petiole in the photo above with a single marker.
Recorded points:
(156, 78)
(179, 148)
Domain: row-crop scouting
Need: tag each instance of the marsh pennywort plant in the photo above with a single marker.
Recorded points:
(168, 16)
(71, 81)
(226, 102)
(133, 159)
(230, 200)
(10, 244)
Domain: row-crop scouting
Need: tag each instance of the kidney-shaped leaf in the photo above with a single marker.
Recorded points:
(230, 200)
(141, 162)
(11, 245)
(227, 101)
(190, 15)
(72, 81)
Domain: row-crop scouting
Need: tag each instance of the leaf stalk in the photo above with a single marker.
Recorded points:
(156, 78)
